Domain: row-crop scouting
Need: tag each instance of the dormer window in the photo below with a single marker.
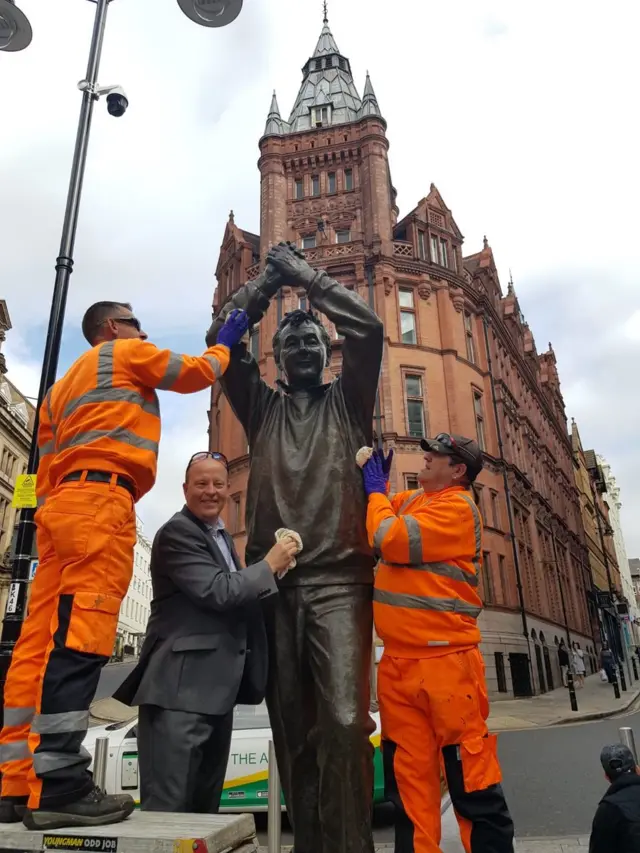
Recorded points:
(321, 116)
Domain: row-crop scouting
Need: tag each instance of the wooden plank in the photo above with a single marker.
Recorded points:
(143, 832)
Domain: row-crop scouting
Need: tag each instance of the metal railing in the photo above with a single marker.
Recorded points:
(274, 793)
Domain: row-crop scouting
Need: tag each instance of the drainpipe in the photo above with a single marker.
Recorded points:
(377, 416)
(507, 493)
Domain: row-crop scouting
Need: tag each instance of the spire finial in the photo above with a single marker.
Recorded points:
(325, 19)
(486, 242)
(231, 217)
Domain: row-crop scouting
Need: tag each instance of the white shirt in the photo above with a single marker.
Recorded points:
(218, 537)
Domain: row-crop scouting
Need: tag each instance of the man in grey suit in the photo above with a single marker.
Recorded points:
(205, 648)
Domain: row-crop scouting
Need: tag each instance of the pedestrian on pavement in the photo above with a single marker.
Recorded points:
(563, 660)
(579, 667)
(616, 825)
(205, 649)
(608, 663)
(431, 679)
(98, 442)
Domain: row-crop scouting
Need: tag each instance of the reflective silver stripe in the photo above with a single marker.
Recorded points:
(47, 449)
(105, 365)
(215, 364)
(447, 570)
(422, 602)
(41, 500)
(381, 532)
(438, 643)
(46, 762)
(477, 530)
(411, 498)
(16, 751)
(18, 716)
(118, 434)
(112, 395)
(172, 372)
(415, 538)
(68, 721)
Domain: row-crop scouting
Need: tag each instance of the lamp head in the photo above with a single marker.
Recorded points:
(211, 13)
(15, 29)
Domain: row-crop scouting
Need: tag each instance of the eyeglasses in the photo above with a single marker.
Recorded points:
(209, 454)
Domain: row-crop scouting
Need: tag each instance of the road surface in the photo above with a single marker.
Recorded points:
(552, 777)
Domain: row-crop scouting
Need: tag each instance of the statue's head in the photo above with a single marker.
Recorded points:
(302, 348)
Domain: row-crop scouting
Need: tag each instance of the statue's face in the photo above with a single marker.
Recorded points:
(302, 354)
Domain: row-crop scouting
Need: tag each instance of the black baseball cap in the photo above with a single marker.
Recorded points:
(617, 759)
(465, 450)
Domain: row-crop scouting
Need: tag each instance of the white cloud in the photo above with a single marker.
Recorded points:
(518, 112)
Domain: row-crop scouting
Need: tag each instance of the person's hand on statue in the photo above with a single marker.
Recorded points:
(289, 262)
(375, 479)
(234, 329)
(280, 556)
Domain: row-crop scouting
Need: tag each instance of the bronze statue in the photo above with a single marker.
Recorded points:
(303, 440)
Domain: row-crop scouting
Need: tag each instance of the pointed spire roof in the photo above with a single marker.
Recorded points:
(275, 125)
(326, 82)
(370, 106)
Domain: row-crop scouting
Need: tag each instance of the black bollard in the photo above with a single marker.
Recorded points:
(635, 668)
(572, 691)
(616, 689)
(623, 681)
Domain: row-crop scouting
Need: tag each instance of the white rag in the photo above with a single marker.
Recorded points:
(363, 456)
(283, 533)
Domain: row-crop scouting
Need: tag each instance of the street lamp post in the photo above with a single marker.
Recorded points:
(15, 34)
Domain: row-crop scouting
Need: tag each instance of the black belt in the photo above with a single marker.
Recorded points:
(101, 477)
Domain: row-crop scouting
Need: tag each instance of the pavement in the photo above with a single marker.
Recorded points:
(596, 701)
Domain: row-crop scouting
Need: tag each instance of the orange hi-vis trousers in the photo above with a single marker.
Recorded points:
(433, 713)
(86, 533)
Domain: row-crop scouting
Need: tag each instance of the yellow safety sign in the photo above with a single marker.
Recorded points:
(24, 493)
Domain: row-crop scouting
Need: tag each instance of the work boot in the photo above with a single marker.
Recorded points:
(12, 809)
(94, 809)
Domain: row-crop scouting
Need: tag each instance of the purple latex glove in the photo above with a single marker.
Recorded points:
(375, 480)
(234, 328)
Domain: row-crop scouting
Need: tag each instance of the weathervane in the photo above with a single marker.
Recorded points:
(325, 20)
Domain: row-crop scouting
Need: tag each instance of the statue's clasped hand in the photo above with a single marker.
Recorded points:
(289, 262)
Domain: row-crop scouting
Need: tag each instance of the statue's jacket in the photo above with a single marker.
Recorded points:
(303, 444)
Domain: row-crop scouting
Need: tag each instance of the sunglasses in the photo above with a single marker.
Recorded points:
(209, 454)
(449, 442)
(129, 321)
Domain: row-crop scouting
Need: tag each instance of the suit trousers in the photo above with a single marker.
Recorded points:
(86, 533)
(318, 698)
(183, 759)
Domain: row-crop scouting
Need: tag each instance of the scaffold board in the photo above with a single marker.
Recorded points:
(143, 832)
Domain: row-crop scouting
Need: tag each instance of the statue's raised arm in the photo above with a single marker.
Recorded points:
(354, 320)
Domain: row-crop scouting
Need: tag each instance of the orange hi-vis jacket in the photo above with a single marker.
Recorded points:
(430, 548)
(104, 414)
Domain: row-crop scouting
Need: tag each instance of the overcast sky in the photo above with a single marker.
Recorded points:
(523, 114)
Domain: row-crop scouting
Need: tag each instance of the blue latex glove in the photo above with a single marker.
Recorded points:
(234, 328)
(375, 480)
(386, 461)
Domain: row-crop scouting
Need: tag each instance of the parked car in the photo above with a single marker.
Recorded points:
(245, 787)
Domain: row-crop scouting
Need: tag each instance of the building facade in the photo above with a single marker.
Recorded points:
(135, 608)
(630, 620)
(458, 357)
(17, 416)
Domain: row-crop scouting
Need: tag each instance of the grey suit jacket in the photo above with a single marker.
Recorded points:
(206, 645)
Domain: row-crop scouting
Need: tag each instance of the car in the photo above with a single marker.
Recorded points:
(246, 782)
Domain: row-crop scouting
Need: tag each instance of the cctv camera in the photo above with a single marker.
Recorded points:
(117, 102)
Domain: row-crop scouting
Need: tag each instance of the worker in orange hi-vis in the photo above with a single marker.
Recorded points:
(98, 443)
(431, 683)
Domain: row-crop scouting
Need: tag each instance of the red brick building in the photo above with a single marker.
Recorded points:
(458, 357)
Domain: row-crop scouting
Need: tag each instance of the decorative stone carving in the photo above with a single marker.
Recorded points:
(424, 290)
(457, 297)
(388, 285)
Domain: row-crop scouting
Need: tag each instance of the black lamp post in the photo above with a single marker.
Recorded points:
(573, 699)
(15, 34)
